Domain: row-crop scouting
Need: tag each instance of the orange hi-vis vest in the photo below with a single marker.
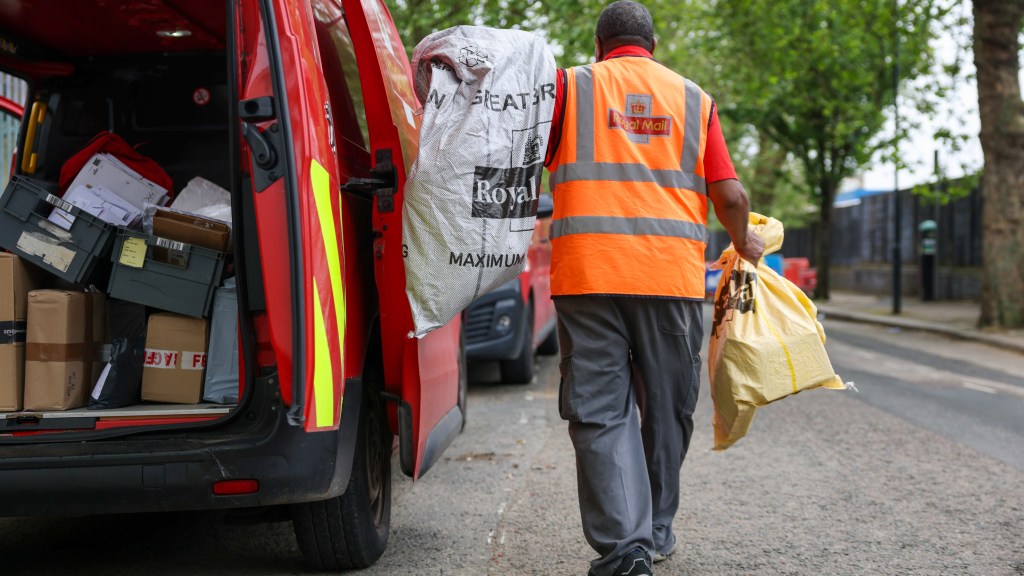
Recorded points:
(628, 182)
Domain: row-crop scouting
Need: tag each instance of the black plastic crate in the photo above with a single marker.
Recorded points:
(173, 276)
(25, 230)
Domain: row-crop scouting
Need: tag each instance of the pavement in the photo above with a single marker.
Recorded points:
(955, 318)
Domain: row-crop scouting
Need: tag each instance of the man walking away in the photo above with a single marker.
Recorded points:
(636, 152)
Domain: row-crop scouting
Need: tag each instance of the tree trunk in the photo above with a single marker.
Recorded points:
(997, 25)
(823, 253)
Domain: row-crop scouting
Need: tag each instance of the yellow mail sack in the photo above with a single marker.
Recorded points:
(766, 341)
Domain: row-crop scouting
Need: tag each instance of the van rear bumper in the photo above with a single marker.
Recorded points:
(170, 473)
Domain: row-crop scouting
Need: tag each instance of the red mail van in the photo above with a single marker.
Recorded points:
(304, 111)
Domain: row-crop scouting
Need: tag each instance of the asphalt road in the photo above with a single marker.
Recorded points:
(920, 472)
(968, 392)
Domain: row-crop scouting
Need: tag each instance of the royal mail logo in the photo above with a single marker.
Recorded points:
(473, 56)
(638, 124)
(531, 150)
(506, 193)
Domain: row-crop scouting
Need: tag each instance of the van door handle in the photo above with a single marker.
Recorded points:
(265, 146)
(263, 155)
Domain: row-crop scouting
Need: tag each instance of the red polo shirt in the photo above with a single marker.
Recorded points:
(717, 164)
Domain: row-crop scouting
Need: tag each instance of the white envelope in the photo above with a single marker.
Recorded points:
(110, 173)
(101, 203)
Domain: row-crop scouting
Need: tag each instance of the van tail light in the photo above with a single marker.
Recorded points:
(235, 487)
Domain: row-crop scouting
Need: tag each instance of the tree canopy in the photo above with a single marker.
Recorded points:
(817, 78)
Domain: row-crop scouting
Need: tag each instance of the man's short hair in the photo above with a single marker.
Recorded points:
(626, 22)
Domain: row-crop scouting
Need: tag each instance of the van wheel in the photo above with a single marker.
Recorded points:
(520, 369)
(351, 530)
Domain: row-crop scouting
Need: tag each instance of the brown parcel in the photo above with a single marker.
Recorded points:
(175, 359)
(191, 229)
(58, 362)
(15, 284)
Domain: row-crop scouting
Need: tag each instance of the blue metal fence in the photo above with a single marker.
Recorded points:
(862, 232)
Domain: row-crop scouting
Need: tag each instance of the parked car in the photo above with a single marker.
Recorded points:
(796, 270)
(304, 111)
(799, 272)
(510, 323)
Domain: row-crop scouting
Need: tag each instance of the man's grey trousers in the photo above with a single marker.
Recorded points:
(630, 374)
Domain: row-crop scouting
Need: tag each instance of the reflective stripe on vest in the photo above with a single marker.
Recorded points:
(628, 226)
(610, 172)
(630, 195)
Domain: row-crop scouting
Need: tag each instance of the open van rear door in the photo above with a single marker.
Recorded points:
(294, 172)
(424, 373)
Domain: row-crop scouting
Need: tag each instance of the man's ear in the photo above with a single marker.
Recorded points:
(598, 49)
(654, 44)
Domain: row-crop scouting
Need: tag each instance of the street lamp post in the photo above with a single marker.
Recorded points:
(897, 251)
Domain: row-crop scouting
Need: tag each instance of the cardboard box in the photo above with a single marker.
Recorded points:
(58, 363)
(191, 229)
(175, 359)
(106, 171)
(16, 282)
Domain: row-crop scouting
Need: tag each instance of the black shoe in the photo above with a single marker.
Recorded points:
(633, 564)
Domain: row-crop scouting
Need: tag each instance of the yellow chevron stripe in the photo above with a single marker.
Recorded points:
(321, 181)
(323, 372)
(322, 196)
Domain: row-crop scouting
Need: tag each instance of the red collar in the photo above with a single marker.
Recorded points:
(628, 51)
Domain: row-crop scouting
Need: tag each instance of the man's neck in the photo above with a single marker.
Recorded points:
(628, 50)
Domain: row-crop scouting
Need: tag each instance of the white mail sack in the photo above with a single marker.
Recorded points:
(471, 197)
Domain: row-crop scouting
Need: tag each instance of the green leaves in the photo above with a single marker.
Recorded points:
(815, 77)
